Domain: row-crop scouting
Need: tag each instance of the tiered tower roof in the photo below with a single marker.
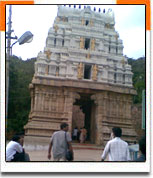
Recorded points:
(83, 45)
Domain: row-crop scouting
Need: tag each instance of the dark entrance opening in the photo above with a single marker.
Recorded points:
(115, 78)
(123, 78)
(87, 106)
(87, 22)
(87, 43)
(87, 72)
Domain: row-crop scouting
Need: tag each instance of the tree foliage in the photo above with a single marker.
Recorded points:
(139, 77)
(20, 76)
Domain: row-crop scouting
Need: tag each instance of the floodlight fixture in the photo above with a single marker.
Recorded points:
(27, 37)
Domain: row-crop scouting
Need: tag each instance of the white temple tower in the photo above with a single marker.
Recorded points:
(82, 64)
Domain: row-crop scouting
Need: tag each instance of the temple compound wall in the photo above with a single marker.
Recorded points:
(82, 65)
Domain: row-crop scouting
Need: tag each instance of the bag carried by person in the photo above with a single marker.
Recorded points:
(69, 154)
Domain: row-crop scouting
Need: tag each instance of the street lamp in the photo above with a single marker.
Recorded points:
(25, 38)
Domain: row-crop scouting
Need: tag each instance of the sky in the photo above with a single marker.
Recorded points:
(129, 23)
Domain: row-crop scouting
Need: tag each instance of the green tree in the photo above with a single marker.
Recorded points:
(139, 76)
(20, 76)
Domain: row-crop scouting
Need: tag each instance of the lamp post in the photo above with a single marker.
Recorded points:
(7, 57)
(25, 38)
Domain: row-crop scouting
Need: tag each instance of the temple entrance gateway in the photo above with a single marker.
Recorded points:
(87, 107)
(81, 79)
(102, 107)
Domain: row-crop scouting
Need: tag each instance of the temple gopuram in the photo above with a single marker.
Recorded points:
(81, 78)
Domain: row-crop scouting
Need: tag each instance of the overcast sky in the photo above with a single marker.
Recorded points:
(130, 23)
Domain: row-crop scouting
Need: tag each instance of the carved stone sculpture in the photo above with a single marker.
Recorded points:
(82, 43)
(93, 44)
(80, 71)
(48, 54)
(95, 72)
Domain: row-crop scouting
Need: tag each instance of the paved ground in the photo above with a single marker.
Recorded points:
(81, 153)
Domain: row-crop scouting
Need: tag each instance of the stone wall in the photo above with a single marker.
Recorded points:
(137, 120)
(113, 110)
(53, 102)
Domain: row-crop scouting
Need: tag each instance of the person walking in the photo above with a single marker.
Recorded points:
(15, 151)
(59, 142)
(116, 149)
(142, 146)
(83, 135)
(78, 135)
(134, 149)
(75, 133)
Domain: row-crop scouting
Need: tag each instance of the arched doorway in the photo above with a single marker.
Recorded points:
(85, 106)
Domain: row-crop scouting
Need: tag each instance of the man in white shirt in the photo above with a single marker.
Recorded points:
(58, 144)
(116, 149)
(15, 151)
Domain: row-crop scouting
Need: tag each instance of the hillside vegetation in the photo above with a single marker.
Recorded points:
(21, 73)
(139, 77)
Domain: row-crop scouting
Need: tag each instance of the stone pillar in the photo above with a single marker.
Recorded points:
(69, 110)
(117, 106)
(36, 99)
(42, 100)
(31, 87)
(82, 21)
(70, 98)
(94, 72)
(80, 70)
(91, 23)
(93, 44)
(100, 101)
(129, 109)
(81, 43)
(46, 70)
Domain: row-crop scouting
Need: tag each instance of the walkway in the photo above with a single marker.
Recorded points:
(82, 152)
